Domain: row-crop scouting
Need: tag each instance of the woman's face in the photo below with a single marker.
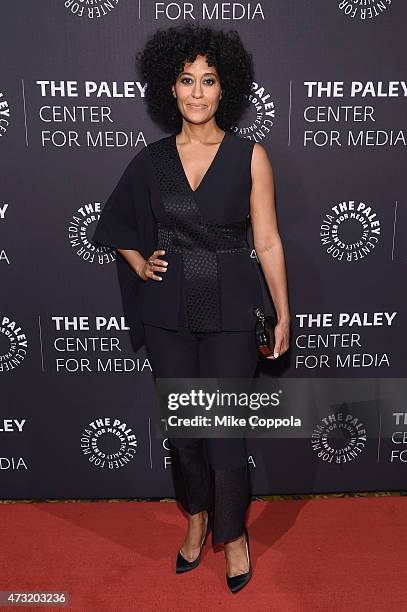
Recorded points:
(197, 89)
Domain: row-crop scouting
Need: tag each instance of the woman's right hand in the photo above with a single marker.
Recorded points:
(151, 265)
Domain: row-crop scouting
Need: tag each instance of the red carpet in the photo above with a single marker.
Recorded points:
(307, 555)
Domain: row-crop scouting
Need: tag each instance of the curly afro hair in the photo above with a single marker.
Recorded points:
(163, 59)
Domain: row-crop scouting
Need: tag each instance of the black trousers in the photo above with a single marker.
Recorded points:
(209, 473)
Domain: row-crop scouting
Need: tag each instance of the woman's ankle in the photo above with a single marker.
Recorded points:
(199, 517)
(235, 542)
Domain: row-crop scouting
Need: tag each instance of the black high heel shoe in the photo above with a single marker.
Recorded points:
(235, 583)
(182, 565)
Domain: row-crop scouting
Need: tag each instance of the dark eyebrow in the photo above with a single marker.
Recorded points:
(205, 73)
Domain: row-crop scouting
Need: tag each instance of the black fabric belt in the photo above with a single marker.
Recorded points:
(215, 237)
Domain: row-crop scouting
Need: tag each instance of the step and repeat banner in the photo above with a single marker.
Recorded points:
(329, 103)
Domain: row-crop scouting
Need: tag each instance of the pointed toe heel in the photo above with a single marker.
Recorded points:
(236, 583)
(182, 564)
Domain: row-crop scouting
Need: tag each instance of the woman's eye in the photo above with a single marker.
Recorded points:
(188, 79)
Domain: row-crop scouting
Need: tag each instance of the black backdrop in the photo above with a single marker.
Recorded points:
(328, 103)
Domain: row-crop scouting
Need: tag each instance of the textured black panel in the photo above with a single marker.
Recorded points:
(228, 238)
(192, 476)
(232, 495)
(197, 241)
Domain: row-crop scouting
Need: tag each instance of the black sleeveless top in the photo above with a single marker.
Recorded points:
(154, 200)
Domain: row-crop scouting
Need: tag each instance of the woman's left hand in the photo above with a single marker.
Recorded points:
(282, 338)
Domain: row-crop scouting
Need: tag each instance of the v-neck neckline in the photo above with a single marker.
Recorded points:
(194, 191)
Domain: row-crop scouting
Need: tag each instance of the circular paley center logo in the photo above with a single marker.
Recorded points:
(350, 231)
(80, 231)
(91, 9)
(13, 344)
(339, 438)
(264, 112)
(4, 114)
(108, 443)
(363, 9)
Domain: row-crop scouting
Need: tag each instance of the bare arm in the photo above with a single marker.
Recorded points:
(267, 241)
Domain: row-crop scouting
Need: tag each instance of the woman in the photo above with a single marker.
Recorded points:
(178, 220)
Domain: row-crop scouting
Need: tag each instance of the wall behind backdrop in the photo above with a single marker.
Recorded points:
(329, 104)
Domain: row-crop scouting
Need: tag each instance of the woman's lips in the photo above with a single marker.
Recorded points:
(196, 107)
